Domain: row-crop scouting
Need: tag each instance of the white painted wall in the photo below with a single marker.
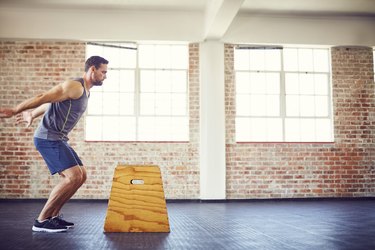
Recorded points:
(212, 121)
(100, 25)
(189, 25)
(323, 30)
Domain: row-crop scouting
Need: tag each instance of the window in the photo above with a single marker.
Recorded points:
(145, 95)
(283, 95)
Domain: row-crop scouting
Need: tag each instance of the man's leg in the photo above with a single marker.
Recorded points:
(72, 179)
(73, 191)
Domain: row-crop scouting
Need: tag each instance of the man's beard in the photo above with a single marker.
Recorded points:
(98, 83)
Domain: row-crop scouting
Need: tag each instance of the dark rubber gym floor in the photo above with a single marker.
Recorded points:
(264, 224)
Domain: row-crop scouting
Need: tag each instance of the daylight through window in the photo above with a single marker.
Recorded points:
(283, 94)
(145, 95)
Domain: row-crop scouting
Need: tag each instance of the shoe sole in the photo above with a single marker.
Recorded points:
(39, 229)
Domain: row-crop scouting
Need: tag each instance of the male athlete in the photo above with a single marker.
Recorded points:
(62, 106)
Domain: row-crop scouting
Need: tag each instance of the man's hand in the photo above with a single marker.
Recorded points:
(7, 112)
(25, 117)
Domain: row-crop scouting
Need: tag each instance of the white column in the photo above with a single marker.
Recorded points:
(212, 121)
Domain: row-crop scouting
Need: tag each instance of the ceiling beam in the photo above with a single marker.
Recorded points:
(218, 16)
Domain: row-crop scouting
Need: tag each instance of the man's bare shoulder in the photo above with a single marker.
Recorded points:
(73, 87)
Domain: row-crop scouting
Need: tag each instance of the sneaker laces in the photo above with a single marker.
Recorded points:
(59, 217)
(54, 222)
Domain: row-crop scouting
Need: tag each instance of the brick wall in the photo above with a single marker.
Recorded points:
(345, 168)
(29, 68)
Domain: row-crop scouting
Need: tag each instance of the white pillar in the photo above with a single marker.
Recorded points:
(212, 121)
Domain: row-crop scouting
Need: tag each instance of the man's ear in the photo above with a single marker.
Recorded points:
(93, 68)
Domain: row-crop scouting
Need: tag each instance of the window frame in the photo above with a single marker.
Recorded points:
(137, 98)
(282, 96)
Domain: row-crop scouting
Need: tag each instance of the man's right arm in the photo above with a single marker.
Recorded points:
(31, 103)
(61, 92)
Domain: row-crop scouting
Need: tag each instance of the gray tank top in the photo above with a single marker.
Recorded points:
(61, 117)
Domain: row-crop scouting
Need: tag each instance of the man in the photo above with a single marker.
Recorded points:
(62, 106)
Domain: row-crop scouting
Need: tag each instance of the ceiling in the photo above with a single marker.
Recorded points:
(196, 5)
(341, 7)
(351, 7)
(191, 19)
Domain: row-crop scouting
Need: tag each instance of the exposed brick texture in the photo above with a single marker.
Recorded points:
(29, 68)
(345, 168)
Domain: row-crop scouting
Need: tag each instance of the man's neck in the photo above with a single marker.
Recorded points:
(87, 82)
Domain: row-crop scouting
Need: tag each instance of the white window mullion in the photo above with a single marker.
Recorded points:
(137, 97)
(282, 96)
(163, 71)
(303, 100)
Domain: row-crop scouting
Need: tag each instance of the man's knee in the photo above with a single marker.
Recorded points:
(73, 180)
(74, 175)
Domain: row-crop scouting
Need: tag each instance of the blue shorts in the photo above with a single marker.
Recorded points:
(57, 154)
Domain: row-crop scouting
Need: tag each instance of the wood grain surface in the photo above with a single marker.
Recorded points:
(137, 207)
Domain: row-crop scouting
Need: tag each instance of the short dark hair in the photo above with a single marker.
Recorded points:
(94, 61)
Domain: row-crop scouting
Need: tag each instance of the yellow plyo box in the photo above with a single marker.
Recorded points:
(137, 202)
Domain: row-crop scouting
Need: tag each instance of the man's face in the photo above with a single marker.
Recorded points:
(99, 75)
